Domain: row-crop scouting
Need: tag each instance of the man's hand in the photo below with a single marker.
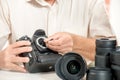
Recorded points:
(9, 58)
(61, 42)
(64, 42)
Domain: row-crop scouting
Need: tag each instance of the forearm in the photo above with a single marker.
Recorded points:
(84, 46)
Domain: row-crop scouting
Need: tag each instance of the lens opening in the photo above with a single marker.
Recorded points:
(73, 67)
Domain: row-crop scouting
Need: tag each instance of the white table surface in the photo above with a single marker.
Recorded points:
(8, 75)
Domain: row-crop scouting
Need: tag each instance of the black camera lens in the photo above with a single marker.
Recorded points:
(73, 67)
(115, 63)
(116, 71)
(115, 58)
(96, 73)
(102, 61)
(104, 47)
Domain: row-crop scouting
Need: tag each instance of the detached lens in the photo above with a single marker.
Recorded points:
(96, 73)
(71, 66)
(104, 47)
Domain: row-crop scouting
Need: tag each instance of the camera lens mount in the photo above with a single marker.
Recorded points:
(40, 44)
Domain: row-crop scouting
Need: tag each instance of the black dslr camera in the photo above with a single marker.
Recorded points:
(71, 66)
(42, 59)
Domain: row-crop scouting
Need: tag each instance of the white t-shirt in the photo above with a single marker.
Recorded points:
(86, 18)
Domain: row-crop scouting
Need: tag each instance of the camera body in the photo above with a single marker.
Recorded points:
(42, 59)
(70, 66)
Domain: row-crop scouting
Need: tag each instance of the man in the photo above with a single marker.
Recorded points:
(73, 25)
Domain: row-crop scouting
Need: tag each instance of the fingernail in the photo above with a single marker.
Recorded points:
(30, 48)
(27, 59)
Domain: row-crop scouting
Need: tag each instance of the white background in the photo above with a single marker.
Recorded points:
(8, 75)
(115, 18)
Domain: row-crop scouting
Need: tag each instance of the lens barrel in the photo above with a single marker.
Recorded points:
(71, 66)
(102, 70)
(99, 74)
(115, 63)
(104, 47)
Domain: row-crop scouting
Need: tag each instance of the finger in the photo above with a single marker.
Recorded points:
(62, 48)
(59, 43)
(20, 59)
(53, 37)
(55, 42)
(54, 47)
(48, 39)
(20, 50)
(20, 43)
(65, 50)
(15, 67)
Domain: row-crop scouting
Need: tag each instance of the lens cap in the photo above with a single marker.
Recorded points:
(105, 46)
(71, 66)
(106, 43)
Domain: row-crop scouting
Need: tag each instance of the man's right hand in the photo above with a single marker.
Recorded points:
(9, 58)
